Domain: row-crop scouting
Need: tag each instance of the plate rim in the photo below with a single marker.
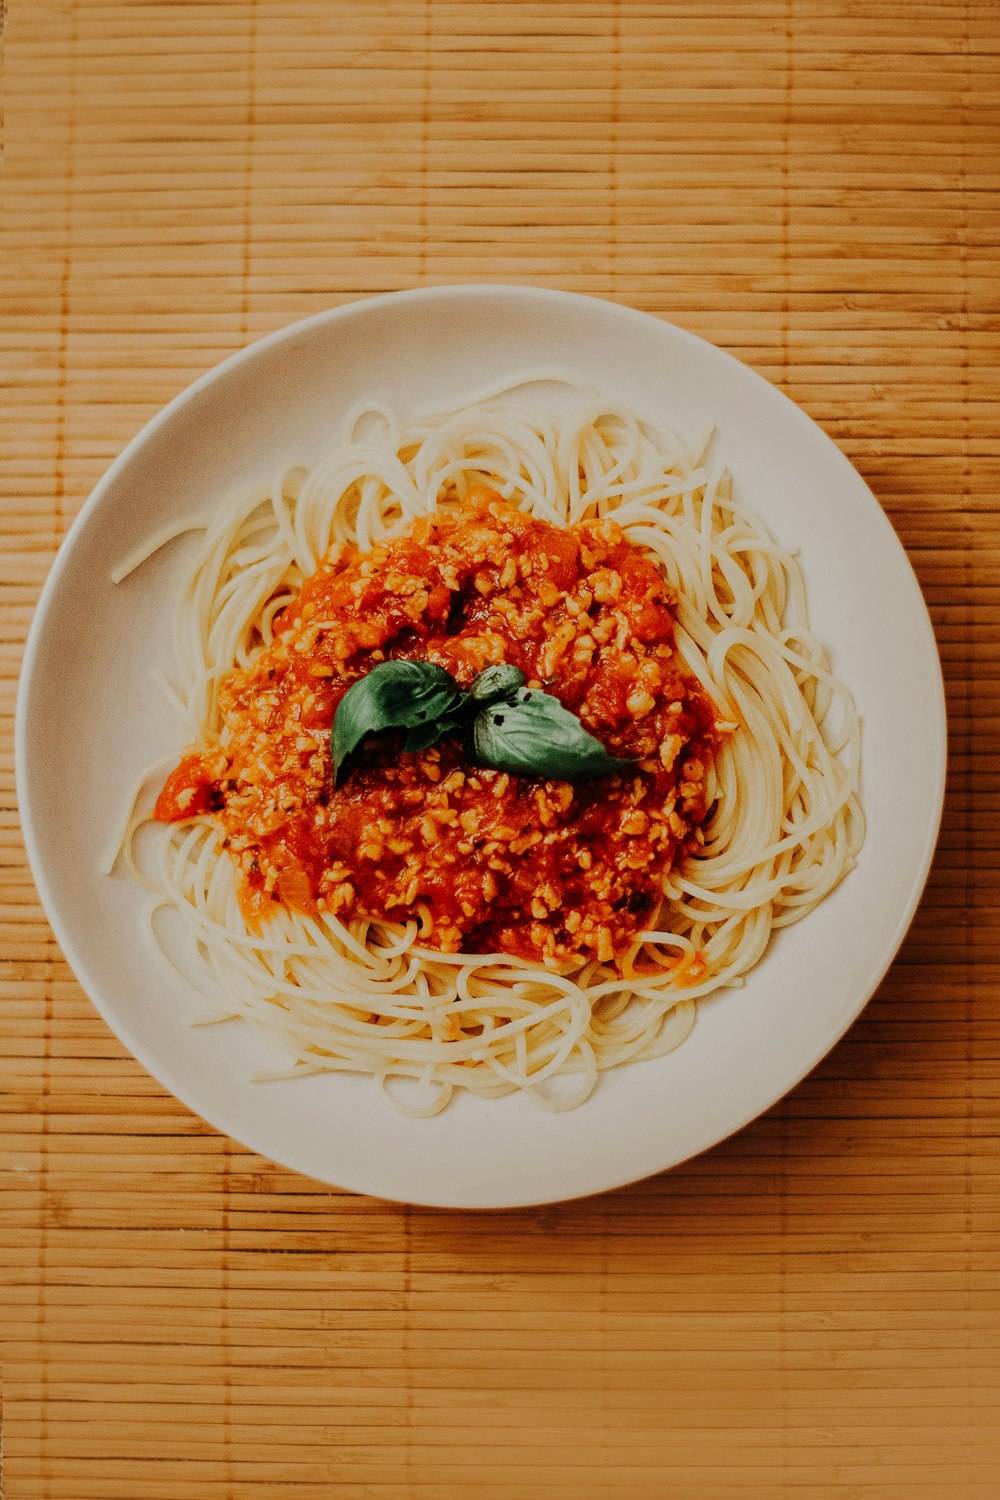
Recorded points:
(936, 704)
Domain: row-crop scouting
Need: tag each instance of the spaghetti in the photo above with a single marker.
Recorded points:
(355, 990)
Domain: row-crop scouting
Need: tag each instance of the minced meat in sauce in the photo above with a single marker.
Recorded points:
(484, 861)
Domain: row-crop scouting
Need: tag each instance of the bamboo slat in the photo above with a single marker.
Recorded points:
(812, 1310)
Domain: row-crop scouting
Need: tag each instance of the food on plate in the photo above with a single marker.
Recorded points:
(549, 837)
(507, 741)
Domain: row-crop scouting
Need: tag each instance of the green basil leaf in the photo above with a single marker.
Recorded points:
(422, 736)
(496, 683)
(527, 733)
(413, 695)
(536, 736)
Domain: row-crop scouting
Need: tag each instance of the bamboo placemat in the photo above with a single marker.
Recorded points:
(811, 1309)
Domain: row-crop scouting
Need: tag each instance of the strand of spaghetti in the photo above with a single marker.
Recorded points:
(152, 545)
(121, 839)
(482, 395)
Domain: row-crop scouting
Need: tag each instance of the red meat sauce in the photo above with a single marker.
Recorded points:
(482, 860)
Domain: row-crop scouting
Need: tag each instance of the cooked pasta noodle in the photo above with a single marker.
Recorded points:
(784, 823)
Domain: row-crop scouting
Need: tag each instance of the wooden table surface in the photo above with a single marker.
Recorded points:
(813, 1308)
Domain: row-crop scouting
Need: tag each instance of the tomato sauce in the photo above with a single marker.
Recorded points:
(483, 861)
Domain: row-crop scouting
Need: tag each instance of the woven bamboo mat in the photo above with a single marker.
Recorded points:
(810, 1310)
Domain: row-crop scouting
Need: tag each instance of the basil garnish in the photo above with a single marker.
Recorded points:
(535, 736)
(506, 728)
(413, 695)
(496, 683)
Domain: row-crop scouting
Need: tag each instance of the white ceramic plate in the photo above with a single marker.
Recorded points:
(90, 720)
